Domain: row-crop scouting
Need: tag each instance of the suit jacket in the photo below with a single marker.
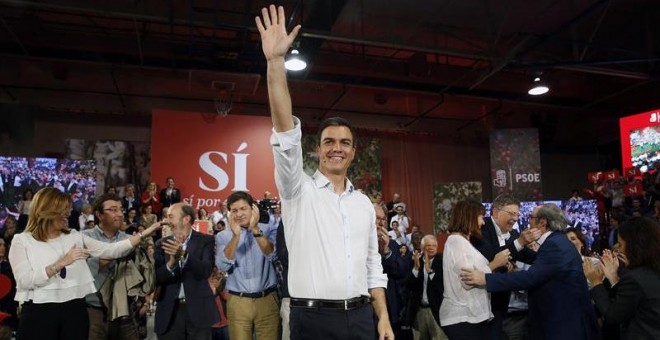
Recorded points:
(635, 304)
(434, 289)
(397, 269)
(489, 246)
(559, 302)
(200, 303)
(166, 201)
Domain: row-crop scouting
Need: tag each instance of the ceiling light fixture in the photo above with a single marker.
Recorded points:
(538, 87)
(294, 61)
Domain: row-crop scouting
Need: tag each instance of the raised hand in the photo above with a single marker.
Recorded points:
(383, 240)
(254, 218)
(594, 274)
(416, 256)
(275, 41)
(610, 266)
(234, 224)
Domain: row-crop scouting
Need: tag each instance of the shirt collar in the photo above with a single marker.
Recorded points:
(321, 182)
(498, 231)
(543, 237)
(100, 231)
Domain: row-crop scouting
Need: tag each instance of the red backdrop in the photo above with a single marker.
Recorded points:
(210, 157)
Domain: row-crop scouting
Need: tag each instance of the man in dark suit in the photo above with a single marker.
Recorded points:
(170, 195)
(186, 306)
(559, 302)
(498, 234)
(426, 289)
(394, 266)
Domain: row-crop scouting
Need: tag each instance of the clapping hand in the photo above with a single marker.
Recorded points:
(610, 265)
(593, 273)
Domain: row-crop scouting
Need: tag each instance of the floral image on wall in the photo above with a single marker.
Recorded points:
(446, 195)
(364, 172)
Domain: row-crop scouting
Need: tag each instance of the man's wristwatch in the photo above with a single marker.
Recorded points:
(259, 234)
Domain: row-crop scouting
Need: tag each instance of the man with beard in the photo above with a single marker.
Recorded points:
(184, 262)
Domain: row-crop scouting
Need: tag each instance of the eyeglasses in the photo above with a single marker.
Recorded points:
(113, 210)
(515, 215)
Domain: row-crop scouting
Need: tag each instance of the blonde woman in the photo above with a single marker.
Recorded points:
(52, 276)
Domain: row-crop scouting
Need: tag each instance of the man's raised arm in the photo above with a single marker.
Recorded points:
(275, 43)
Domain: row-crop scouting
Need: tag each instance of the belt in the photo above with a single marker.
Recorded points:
(349, 304)
(253, 295)
(424, 306)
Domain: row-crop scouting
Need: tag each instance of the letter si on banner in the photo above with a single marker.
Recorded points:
(211, 159)
(635, 189)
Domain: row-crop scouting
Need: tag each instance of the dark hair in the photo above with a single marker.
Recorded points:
(336, 121)
(25, 193)
(463, 218)
(169, 178)
(98, 202)
(578, 233)
(199, 212)
(237, 196)
(642, 237)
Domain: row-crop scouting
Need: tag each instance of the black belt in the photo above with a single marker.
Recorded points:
(349, 304)
(424, 306)
(253, 295)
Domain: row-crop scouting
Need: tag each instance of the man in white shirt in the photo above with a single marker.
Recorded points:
(334, 266)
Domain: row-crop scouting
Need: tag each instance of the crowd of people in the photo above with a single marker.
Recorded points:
(322, 262)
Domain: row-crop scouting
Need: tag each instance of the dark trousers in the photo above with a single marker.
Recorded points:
(324, 323)
(120, 329)
(467, 331)
(182, 327)
(46, 321)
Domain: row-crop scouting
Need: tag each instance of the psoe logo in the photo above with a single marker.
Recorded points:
(219, 174)
(500, 179)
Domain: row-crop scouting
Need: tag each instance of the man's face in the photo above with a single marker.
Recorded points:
(535, 222)
(381, 218)
(399, 210)
(430, 247)
(241, 212)
(170, 183)
(111, 217)
(395, 198)
(336, 150)
(506, 217)
(175, 218)
(395, 225)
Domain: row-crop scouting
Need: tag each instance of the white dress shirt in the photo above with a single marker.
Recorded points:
(29, 259)
(331, 238)
(462, 302)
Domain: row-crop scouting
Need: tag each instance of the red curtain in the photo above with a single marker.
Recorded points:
(412, 165)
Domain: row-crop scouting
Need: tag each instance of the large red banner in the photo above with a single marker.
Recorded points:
(211, 157)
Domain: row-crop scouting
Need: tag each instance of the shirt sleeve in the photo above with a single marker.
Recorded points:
(376, 278)
(287, 152)
(19, 258)
(107, 250)
(221, 261)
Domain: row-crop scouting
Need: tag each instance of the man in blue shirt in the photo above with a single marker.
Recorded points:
(244, 251)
